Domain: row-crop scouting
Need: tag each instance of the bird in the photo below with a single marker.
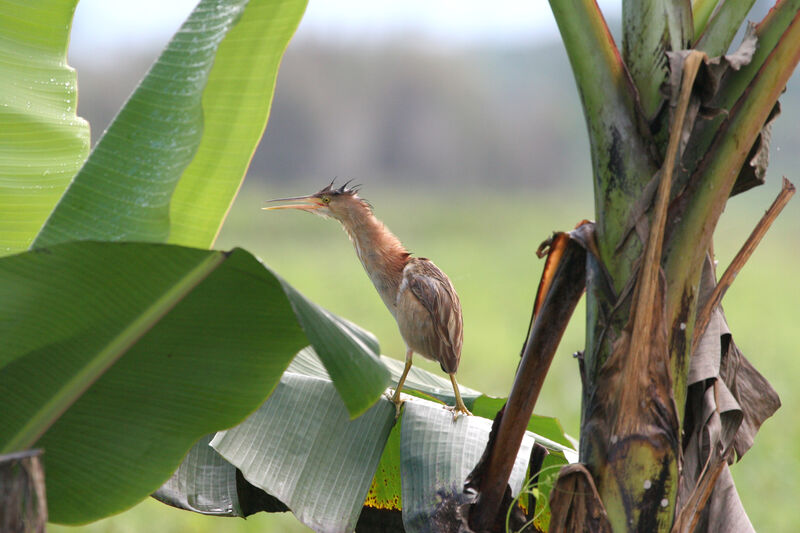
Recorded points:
(420, 297)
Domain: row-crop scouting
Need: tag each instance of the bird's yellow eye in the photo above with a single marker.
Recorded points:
(326, 199)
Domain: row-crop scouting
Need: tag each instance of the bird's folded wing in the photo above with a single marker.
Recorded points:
(436, 293)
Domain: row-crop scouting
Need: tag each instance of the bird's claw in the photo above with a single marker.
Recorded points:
(458, 410)
(398, 403)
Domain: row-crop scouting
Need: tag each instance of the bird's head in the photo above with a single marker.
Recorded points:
(338, 203)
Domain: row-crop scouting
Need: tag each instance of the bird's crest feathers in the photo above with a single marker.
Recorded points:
(343, 190)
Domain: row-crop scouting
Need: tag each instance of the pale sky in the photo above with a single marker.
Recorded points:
(103, 25)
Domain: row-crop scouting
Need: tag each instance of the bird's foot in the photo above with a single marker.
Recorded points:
(458, 410)
(398, 403)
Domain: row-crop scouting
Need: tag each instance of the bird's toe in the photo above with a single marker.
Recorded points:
(458, 410)
(398, 403)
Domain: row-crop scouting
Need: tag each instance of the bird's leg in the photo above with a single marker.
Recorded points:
(396, 397)
(459, 407)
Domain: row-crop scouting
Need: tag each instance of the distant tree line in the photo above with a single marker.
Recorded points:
(404, 112)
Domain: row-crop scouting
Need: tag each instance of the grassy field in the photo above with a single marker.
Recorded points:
(486, 241)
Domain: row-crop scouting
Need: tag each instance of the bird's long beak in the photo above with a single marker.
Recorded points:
(305, 203)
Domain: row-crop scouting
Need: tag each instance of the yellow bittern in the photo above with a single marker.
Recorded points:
(419, 295)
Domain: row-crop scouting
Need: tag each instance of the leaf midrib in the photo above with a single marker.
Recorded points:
(117, 346)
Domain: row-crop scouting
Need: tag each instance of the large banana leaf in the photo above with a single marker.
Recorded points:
(301, 438)
(117, 357)
(42, 141)
(236, 104)
(302, 448)
(209, 489)
(187, 133)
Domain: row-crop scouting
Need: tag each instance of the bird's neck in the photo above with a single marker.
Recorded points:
(381, 253)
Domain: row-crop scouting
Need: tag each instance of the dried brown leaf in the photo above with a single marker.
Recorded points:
(562, 285)
(728, 400)
(755, 396)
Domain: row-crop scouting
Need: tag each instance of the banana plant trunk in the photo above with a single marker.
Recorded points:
(23, 503)
(675, 128)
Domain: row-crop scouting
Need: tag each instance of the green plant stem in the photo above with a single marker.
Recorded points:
(721, 29)
(621, 154)
(651, 28)
(709, 190)
(701, 12)
(647, 284)
(734, 84)
(769, 31)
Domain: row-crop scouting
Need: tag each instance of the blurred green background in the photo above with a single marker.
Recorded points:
(485, 240)
(472, 152)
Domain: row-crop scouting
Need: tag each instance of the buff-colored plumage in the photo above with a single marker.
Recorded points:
(419, 295)
(429, 314)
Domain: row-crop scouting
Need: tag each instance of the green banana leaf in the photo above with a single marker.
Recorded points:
(236, 104)
(118, 357)
(302, 448)
(42, 141)
(171, 162)
(301, 438)
(210, 490)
